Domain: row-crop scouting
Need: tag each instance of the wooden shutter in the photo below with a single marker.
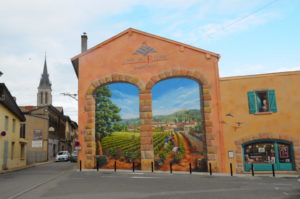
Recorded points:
(272, 101)
(251, 102)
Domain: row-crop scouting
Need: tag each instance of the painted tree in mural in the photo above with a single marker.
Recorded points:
(107, 114)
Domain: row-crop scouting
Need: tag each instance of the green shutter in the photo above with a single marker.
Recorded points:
(272, 101)
(251, 102)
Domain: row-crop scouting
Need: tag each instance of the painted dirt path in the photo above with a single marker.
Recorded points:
(184, 162)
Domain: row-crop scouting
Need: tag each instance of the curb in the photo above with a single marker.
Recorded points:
(187, 173)
(24, 167)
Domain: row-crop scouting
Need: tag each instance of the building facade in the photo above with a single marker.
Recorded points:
(250, 121)
(261, 121)
(13, 142)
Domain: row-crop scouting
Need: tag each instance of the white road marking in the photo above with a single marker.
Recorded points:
(39, 184)
(143, 177)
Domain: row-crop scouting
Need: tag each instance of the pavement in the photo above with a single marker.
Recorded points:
(62, 180)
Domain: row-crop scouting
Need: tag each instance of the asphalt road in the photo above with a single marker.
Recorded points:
(62, 181)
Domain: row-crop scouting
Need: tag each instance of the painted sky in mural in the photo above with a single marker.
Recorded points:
(168, 97)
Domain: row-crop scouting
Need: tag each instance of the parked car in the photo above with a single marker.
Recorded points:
(62, 156)
(74, 156)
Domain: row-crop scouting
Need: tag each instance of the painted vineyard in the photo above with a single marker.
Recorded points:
(169, 147)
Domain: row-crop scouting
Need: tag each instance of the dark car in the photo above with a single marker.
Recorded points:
(74, 156)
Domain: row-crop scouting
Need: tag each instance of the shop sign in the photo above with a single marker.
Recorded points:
(230, 154)
(37, 134)
(37, 144)
(145, 56)
(261, 150)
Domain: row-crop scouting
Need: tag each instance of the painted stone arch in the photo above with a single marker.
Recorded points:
(90, 148)
(262, 136)
(164, 59)
(206, 100)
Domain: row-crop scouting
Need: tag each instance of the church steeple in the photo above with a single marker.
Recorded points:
(45, 82)
(44, 96)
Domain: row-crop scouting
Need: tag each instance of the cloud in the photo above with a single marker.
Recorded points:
(244, 70)
(129, 104)
(231, 26)
(177, 99)
(282, 69)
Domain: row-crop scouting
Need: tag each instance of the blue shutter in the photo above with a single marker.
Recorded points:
(251, 102)
(272, 101)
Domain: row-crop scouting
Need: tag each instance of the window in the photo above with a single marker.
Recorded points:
(259, 153)
(13, 125)
(6, 123)
(22, 130)
(12, 150)
(22, 155)
(41, 97)
(262, 101)
(46, 98)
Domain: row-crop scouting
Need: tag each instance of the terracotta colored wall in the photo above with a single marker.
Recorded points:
(109, 62)
(282, 125)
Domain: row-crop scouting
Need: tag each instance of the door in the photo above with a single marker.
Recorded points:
(285, 159)
(5, 154)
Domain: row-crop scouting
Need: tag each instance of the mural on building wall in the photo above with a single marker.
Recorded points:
(178, 131)
(117, 126)
(179, 136)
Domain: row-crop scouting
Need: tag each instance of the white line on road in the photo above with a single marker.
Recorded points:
(142, 177)
(38, 185)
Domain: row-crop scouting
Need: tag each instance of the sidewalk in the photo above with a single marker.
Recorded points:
(25, 167)
(258, 174)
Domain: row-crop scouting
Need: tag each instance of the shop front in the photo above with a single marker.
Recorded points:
(265, 153)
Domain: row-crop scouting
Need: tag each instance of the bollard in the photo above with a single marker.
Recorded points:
(210, 171)
(171, 170)
(252, 169)
(132, 166)
(273, 170)
(190, 168)
(80, 168)
(231, 173)
(152, 167)
(97, 165)
(115, 166)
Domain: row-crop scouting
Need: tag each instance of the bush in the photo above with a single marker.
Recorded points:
(102, 160)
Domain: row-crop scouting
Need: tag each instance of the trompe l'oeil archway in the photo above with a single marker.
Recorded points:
(147, 61)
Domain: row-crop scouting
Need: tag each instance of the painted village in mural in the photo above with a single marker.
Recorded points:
(178, 133)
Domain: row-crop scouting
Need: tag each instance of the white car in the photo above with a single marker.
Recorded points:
(62, 156)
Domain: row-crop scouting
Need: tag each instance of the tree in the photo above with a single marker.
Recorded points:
(107, 114)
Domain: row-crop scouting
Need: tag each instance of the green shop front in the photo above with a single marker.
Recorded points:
(265, 153)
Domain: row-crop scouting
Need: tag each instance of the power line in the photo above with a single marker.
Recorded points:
(245, 17)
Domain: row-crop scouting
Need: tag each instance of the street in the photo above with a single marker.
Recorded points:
(62, 180)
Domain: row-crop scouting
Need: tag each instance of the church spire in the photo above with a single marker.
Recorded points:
(44, 81)
(44, 96)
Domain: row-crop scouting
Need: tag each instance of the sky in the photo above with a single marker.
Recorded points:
(168, 96)
(252, 37)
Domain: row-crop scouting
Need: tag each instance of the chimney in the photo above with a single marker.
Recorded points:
(84, 39)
